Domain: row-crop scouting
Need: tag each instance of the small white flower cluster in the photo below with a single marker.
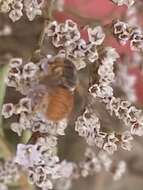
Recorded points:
(45, 176)
(9, 173)
(128, 33)
(88, 126)
(27, 155)
(39, 123)
(33, 8)
(15, 8)
(106, 74)
(42, 163)
(28, 121)
(67, 36)
(24, 106)
(124, 2)
(130, 115)
(5, 5)
(22, 76)
(94, 163)
(44, 151)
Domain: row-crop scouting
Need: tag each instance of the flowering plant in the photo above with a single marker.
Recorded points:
(72, 86)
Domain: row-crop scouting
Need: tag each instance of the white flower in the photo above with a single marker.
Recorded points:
(101, 91)
(96, 35)
(79, 64)
(119, 27)
(52, 28)
(27, 155)
(126, 145)
(29, 70)
(99, 139)
(94, 90)
(38, 176)
(110, 147)
(91, 52)
(33, 8)
(8, 110)
(5, 6)
(61, 127)
(88, 126)
(16, 128)
(105, 92)
(71, 25)
(137, 129)
(126, 136)
(112, 138)
(126, 139)
(15, 62)
(15, 15)
(24, 105)
(136, 42)
(122, 2)
(111, 55)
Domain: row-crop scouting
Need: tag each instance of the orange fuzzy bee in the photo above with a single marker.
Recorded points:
(57, 100)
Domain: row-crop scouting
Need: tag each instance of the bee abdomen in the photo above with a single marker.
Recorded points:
(60, 104)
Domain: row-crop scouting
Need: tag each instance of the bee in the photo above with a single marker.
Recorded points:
(57, 101)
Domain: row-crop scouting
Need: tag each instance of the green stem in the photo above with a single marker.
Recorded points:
(47, 16)
(50, 10)
(3, 74)
(5, 149)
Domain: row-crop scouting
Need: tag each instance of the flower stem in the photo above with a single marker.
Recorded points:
(47, 16)
(3, 74)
